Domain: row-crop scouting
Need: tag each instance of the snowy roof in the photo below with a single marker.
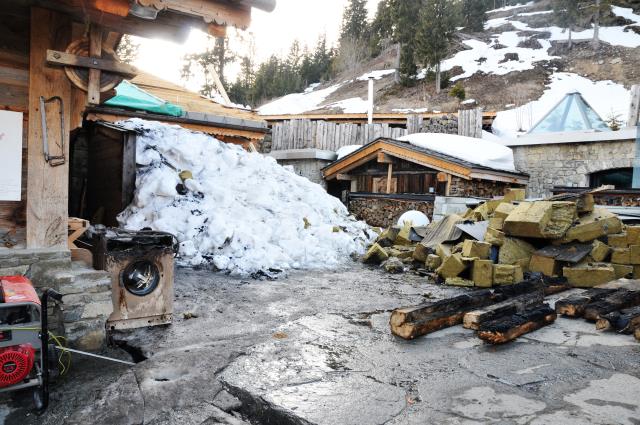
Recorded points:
(424, 156)
(572, 113)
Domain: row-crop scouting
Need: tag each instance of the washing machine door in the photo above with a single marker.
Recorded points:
(141, 277)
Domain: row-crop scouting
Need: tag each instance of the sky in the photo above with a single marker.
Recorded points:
(273, 33)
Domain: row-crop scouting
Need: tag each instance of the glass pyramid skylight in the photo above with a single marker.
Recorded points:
(573, 113)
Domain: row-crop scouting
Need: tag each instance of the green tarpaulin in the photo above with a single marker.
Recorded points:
(132, 97)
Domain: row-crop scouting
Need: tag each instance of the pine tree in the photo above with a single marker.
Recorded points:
(381, 29)
(405, 22)
(474, 14)
(438, 20)
(212, 61)
(567, 13)
(127, 49)
(354, 21)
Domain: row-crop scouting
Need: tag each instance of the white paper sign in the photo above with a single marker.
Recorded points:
(10, 155)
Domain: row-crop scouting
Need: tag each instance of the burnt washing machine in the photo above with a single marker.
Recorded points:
(141, 266)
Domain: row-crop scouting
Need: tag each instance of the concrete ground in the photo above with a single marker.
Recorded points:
(315, 348)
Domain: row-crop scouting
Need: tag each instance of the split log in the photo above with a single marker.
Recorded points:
(574, 306)
(620, 299)
(475, 319)
(411, 322)
(624, 321)
(508, 328)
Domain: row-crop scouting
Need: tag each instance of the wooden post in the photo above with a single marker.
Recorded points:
(448, 189)
(95, 51)
(47, 187)
(634, 109)
(389, 174)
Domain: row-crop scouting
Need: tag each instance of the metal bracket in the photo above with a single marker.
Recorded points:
(53, 161)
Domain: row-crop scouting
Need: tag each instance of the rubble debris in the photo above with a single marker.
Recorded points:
(393, 265)
(563, 237)
(508, 328)
(589, 275)
(623, 321)
(543, 219)
(411, 322)
(637, 334)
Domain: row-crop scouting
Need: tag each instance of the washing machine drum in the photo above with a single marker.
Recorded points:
(141, 277)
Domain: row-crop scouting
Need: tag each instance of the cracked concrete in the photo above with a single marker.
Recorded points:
(315, 348)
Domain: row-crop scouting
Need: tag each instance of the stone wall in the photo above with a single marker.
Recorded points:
(86, 292)
(309, 168)
(386, 212)
(569, 164)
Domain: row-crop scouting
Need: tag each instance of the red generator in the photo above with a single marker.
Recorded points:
(23, 333)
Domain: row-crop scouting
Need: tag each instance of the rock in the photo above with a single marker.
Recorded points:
(545, 265)
(600, 251)
(510, 57)
(401, 251)
(621, 256)
(516, 195)
(444, 250)
(589, 276)
(482, 273)
(433, 262)
(516, 251)
(585, 203)
(599, 223)
(633, 235)
(634, 255)
(507, 275)
(404, 237)
(375, 255)
(623, 271)
(458, 281)
(388, 237)
(543, 219)
(476, 249)
(452, 266)
(503, 210)
(421, 253)
(494, 237)
(227, 402)
(618, 240)
(496, 223)
(615, 61)
(393, 265)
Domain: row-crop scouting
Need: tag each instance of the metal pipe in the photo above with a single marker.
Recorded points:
(97, 356)
(370, 112)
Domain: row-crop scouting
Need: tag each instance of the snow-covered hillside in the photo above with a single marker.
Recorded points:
(518, 40)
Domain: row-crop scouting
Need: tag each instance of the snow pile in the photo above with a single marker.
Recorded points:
(347, 150)
(241, 212)
(606, 98)
(476, 151)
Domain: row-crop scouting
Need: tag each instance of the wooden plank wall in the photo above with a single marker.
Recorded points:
(14, 96)
(323, 135)
(470, 123)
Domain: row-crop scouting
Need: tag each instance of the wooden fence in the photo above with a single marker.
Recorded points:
(323, 135)
(331, 136)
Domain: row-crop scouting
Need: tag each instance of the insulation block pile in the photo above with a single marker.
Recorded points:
(236, 211)
(502, 240)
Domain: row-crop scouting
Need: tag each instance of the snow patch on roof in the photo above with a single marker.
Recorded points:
(476, 151)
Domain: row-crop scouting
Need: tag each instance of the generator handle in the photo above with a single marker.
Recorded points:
(44, 340)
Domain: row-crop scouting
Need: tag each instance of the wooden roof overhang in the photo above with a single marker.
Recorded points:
(216, 126)
(423, 157)
(168, 19)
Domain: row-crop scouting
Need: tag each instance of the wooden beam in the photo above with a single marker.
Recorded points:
(344, 177)
(223, 13)
(95, 53)
(383, 158)
(574, 305)
(58, 58)
(389, 176)
(475, 319)
(448, 189)
(508, 328)
(47, 187)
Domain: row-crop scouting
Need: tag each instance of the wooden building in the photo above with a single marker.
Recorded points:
(396, 176)
(57, 63)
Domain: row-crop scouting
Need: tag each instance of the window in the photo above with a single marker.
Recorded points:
(621, 178)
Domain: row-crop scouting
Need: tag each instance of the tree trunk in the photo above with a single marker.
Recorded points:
(596, 28)
(570, 40)
(438, 84)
